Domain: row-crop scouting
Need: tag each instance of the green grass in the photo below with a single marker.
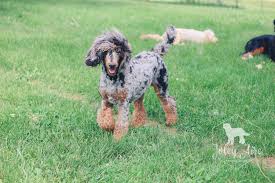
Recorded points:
(49, 99)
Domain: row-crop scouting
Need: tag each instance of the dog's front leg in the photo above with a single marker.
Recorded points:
(242, 141)
(230, 140)
(105, 116)
(121, 127)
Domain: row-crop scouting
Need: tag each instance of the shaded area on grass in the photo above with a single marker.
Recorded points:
(198, 3)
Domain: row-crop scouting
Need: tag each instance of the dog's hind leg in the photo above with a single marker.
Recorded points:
(105, 116)
(168, 103)
(139, 115)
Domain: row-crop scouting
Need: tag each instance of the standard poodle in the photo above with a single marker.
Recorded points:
(124, 80)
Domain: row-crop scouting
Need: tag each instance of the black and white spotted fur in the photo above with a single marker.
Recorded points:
(135, 74)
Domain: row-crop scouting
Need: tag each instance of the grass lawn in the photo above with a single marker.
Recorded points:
(49, 99)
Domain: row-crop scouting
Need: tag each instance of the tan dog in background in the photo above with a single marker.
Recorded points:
(186, 35)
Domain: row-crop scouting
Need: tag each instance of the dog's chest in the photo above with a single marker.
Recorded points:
(114, 97)
(113, 92)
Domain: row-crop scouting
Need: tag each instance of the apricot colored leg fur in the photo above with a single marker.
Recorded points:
(105, 116)
(139, 114)
(169, 107)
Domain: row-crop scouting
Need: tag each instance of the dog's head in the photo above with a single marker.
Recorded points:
(112, 50)
(226, 126)
(210, 36)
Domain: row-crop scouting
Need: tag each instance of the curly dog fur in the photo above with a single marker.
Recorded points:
(124, 80)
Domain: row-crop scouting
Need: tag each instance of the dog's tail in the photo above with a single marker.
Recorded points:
(162, 47)
(156, 37)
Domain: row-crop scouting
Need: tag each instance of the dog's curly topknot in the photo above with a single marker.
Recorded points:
(110, 40)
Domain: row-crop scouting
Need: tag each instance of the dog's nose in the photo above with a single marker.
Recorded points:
(112, 66)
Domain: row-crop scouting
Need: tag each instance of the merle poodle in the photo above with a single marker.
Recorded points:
(125, 80)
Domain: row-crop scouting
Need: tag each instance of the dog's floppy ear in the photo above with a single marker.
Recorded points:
(107, 41)
(93, 58)
(95, 54)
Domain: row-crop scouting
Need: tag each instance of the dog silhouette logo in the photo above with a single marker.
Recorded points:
(231, 133)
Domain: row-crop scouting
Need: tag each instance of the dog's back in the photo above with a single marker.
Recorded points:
(191, 35)
(196, 36)
(260, 41)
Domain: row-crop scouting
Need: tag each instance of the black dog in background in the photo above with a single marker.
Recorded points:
(264, 44)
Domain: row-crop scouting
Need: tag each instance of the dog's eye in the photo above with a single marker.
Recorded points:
(118, 50)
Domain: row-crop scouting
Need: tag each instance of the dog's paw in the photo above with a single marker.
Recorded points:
(119, 132)
(247, 56)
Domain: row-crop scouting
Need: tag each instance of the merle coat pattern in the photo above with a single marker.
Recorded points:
(133, 77)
